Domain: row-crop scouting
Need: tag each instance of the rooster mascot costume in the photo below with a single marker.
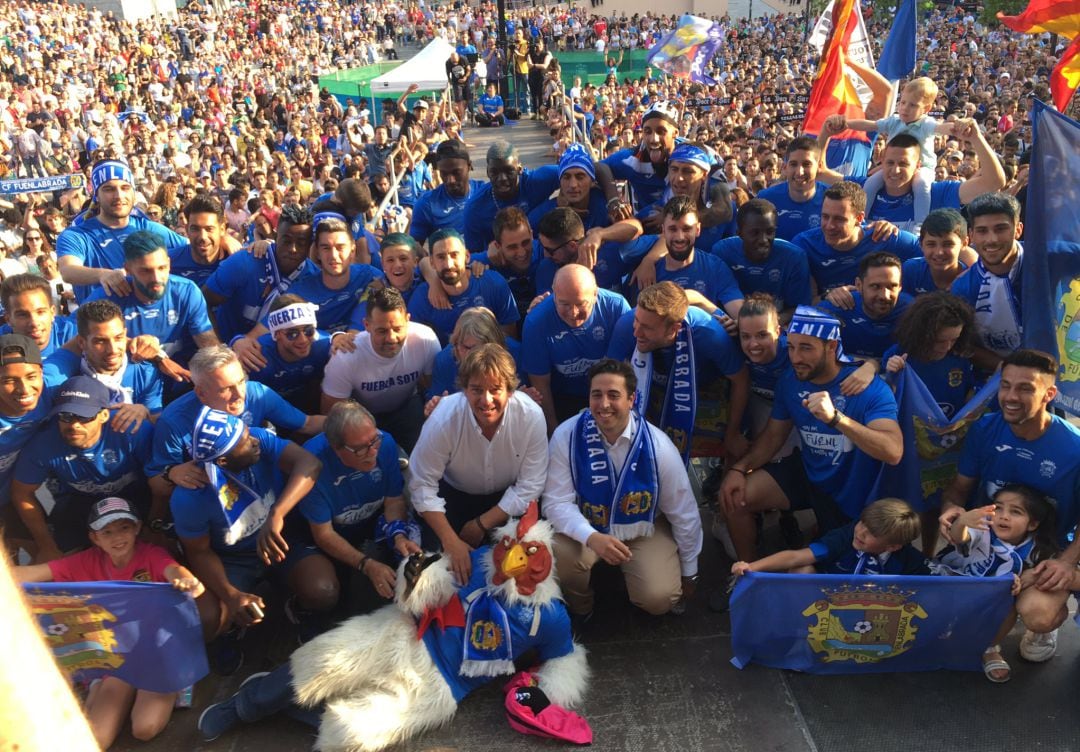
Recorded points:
(381, 678)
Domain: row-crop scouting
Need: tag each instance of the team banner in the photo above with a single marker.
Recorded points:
(43, 185)
(841, 624)
(686, 51)
(932, 441)
(1051, 278)
(147, 634)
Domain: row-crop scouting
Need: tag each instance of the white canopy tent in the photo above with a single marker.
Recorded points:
(427, 69)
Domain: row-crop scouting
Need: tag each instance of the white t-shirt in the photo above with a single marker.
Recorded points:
(382, 384)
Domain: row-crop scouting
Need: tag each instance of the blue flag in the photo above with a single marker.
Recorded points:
(932, 442)
(687, 50)
(841, 624)
(898, 56)
(1051, 276)
(147, 634)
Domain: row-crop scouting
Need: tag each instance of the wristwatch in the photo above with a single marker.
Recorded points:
(165, 475)
(837, 415)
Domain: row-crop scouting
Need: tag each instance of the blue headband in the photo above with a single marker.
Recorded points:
(111, 169)
(214, 435)
(814, 323)
(576, 157)
(694, 155)
(324, 216)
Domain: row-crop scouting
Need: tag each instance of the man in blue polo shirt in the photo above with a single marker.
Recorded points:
(444, 207)
(450, 261)
(83, 460)
(239, 292)
(514, 256)
(491, 108)
(90, 252)
(29, 308)
(763, 262)
(208, 243)
(835, 249)
(798, 199)
(231, 527)
(564, 336)
(844, 439)
(296, 352)
(870, 312)
(684, 359)
(510, 185)
(160, 304)
(1025, 443)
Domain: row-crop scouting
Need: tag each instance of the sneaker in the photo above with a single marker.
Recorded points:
(227, 653)
(308, 623)
(720, 600)
(217, 719)
(1038, 647)
(720, 532)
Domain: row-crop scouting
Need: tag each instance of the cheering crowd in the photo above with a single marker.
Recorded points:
(265, 374)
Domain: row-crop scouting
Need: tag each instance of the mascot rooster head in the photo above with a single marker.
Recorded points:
(521, 561)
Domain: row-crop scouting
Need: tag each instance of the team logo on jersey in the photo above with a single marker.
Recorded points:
(774, 275)
(172, 317)
(110, 457)
(863, 623)
(840, 402)
(956, 377)
(598, 333)
(1047, 468)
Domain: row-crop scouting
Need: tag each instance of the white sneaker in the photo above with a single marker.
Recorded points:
(1038, 647)
(720, 532)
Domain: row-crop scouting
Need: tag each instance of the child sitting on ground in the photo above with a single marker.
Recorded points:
(878, 543)
(1011, 535)
(117, 555)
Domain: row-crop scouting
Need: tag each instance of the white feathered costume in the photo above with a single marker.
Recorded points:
(380, 683)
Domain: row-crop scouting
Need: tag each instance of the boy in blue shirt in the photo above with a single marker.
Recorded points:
(879, 543)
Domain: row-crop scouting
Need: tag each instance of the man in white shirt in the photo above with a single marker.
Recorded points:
(481, 457)
(617, 490)
(388, 370)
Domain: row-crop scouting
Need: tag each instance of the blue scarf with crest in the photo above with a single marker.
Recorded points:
(680, 401)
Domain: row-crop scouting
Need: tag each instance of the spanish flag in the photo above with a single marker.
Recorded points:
(1054, 17)
(833, 92)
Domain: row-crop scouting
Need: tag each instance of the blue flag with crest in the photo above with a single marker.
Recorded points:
(842, 624)
(147, 634)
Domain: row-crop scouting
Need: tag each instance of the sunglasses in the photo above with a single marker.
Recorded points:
(307, 331)
(73, 418)
(364, 449)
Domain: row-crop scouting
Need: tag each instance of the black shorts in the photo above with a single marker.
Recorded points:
(790, 474)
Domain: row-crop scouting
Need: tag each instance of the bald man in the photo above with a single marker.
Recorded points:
(564, 335)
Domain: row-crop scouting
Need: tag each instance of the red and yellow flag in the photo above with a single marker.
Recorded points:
(1054, 17)
(833, 92)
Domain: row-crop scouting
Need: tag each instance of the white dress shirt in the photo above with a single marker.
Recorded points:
(677, 502)
(453, 448)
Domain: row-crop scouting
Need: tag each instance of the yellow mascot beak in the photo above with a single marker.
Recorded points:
(515, 562)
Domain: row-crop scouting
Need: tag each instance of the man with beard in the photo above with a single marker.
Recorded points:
(869, 315)
(296, 352)
(83, 460)
(843, 439)
(763, 262)
(689, 167)
(1025, 443)
(240, 291)
(514, 256)
(90, 253)
(444, 207)
(160, 304)
(645, 166)
(208, 244)
(510, 185)
(684, 360)
(707, 281)
(388, 370)
(450, 261)
(339, 291)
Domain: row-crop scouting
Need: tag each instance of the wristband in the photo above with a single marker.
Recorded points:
(234, 339)
(741, 470)
(363, 563)
(837, 415)
(165, 475)
(614, 202)
(480, 525)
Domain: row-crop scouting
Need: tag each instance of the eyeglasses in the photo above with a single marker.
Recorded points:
(307, 331)
(364, 449)
(73, 418)
(556, 249)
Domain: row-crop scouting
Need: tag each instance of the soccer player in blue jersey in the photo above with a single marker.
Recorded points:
(30, 312)
(798, 199)
(514, 255)
(645, 166)
(764, 263)
(1026, 443)
(564, 336)
(835, 249)
(844, 439)
(90, 252)
(83, 460)
(684, 358)
(208, 243)
(296, 352)
(450, 261)
(869, 314)
(399, 256)
(510, 185)
(160, 304)
(444, 207)
(943, 239)
(100, 351)
(563, 239)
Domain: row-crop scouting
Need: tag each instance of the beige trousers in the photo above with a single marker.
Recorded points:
(653, 574)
